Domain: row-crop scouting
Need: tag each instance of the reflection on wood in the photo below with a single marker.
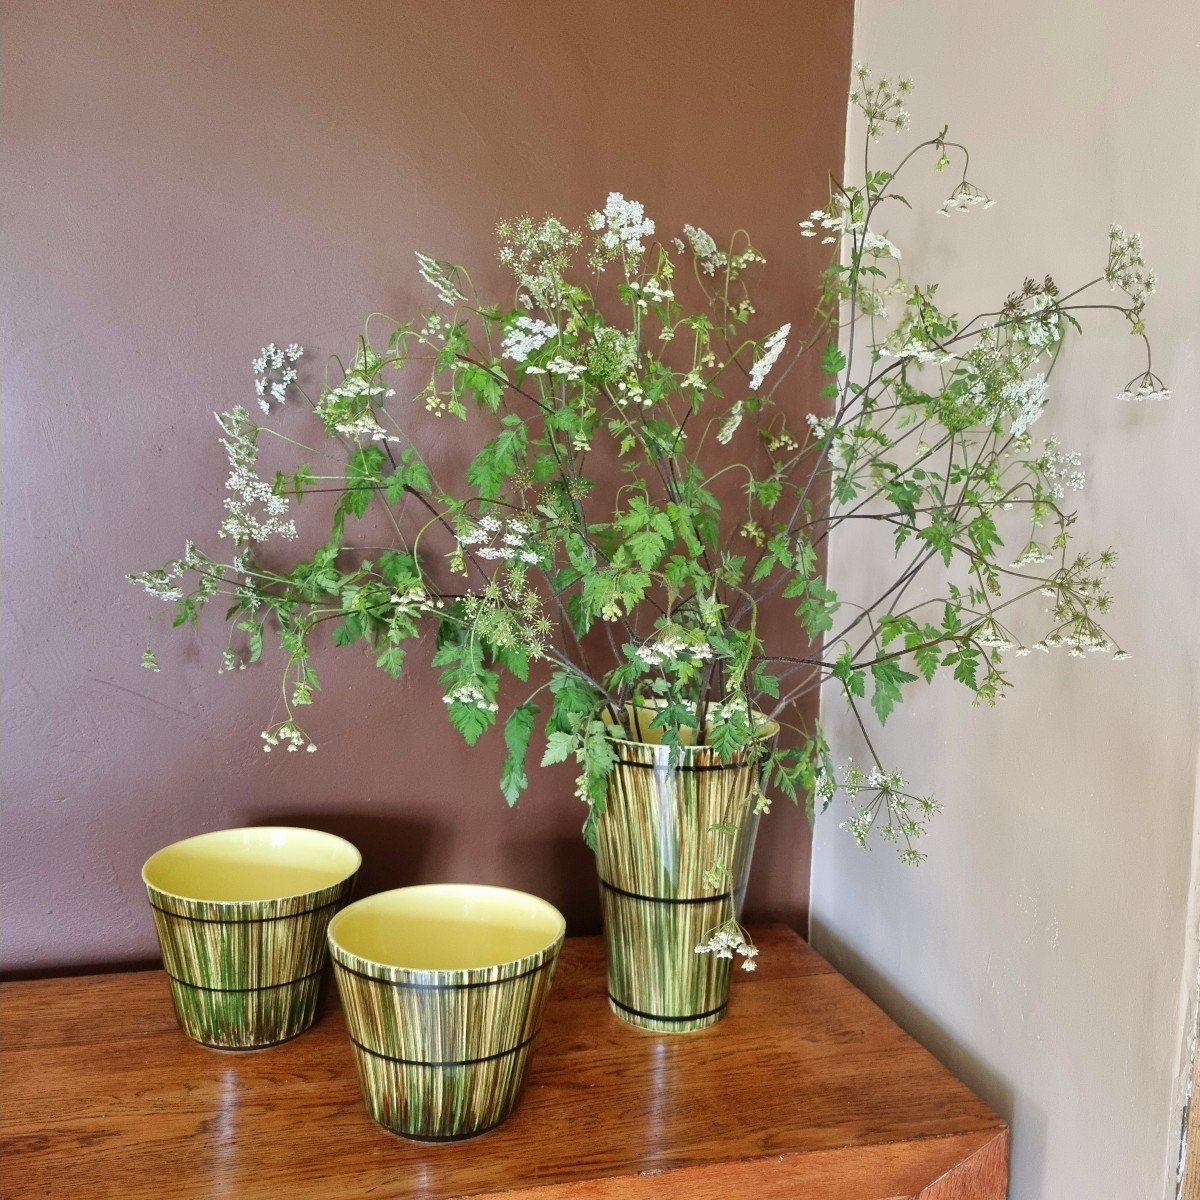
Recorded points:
(805, 1089)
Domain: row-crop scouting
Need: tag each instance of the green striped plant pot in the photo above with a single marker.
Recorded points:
(664, 825)
(241, 916)
(443, 988)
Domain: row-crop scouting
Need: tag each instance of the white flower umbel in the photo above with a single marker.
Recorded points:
(366, 426)
(704, 247)
(527, 335)
(274, 373)
(730, 425)
(772, 348)
(730, 940)
(1025, 400)
(963, 199)
(1146, 386)
(440, 276)
(254, 511)
(879, 246)
(1126, 268)
(620, 228)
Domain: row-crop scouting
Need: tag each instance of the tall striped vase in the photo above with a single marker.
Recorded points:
(664, 826)
(241, 916)
(443, 988)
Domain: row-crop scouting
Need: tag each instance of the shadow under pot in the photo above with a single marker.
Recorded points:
(443, 988)
(241, 916)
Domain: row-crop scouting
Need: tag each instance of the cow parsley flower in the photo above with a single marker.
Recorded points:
(527, 335)
(704, 247)
(1145, 387)
(1025, 399)
(619, 228)
(441, 277)
(963, 199)
(878, 246)
(274, 373)
(254, 511)
(772, 348)
(730, 425)
(728, 940)
(1126, 268)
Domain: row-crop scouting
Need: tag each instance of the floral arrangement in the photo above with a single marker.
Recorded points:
(646, 484)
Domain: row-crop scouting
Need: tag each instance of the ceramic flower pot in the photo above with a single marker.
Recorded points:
(443, 988)
(665, 825)
(241, 916)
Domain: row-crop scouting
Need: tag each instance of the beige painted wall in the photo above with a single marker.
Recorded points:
(1044, 951)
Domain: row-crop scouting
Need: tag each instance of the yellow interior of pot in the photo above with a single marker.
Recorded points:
(269, 863)
(446, 927)
(637, 726)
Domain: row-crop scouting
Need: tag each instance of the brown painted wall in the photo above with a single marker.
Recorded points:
(185, 182)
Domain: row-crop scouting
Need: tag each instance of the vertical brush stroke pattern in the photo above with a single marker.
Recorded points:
(245, 974)
(442, 1055)
(655, 841)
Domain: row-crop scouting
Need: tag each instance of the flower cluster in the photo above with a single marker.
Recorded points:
(274, 373)
(1146, 386)
(882, 103)
(538, 253)
(366, 425)
(730, 940)
(619, 228)
(1025, 400)
(506, 540)
(772, 348)
(254, 510)
(163, 582)
(878, 246)
(441, 277)
(671, 645)
(470, 695)
(527, 335)
(704, 247)
(289, 734)
(963, 199)
(1126, 268)
(1062, 469)
(878, 798)
(843, 216)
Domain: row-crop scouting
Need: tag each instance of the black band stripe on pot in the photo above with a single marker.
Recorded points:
(720, 896)
(699, 768)
(455, 1137)
(645, 1016)
(308, 912)
(442, 987)
(455, 1062)
(263, 987)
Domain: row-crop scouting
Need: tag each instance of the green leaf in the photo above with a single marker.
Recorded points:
(391, 660)
(517, 731)
(833, 361)
(559, 747)
(362, 477)
(889, 680)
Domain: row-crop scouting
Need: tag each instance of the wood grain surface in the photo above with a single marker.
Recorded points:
(805, 1089)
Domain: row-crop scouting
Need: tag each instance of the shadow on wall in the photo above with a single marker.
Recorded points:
(1027, 1129)
(401, 851)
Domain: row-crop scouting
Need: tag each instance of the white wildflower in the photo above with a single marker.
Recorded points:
(772, 348)
(527, 335)
(621, 226)
(440, 276)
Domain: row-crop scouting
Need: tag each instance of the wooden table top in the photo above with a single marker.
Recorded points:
(806, 1089)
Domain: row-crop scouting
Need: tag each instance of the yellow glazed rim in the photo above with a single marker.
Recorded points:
(441, 930)
(291, 862)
